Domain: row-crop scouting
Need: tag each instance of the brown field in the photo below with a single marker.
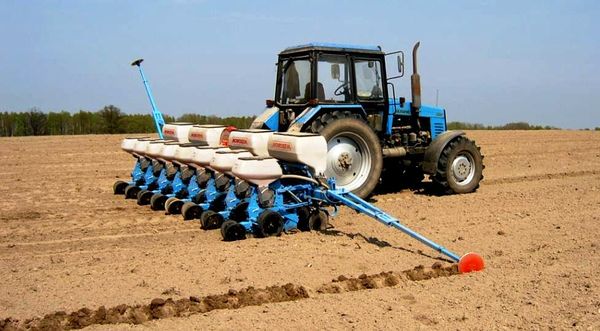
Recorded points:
(67, 243)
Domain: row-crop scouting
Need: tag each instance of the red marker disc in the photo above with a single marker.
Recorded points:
(470, 262)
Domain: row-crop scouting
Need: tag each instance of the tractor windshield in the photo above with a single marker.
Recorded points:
(333, 79)
(295, 82)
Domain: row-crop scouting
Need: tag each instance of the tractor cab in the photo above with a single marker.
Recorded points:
(340, 76)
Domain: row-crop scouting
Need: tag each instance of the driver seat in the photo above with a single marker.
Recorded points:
(320, 91)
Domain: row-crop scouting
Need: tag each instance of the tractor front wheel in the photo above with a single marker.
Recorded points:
(459, 168)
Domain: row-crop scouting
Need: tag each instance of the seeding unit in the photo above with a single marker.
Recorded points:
(261, 182)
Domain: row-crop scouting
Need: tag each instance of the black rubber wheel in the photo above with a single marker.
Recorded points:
(168, 202)
(200, 197)
(174, 207)
(225, 225)
(157, 202)
(318, 221)
(233, 231)
(219, 203)
(191, 211)
(211, 220)
(131, 191)
(303, 217)
(354, 155)
(119, 187)
(459, 168)
(239, 213)
(269, 223)
(144, 197)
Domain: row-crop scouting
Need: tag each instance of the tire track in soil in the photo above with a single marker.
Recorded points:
(102, 238)
(160, 308)
(533, 178)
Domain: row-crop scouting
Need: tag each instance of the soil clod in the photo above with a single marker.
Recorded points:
(165, 308)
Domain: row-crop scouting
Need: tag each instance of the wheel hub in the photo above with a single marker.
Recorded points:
(347, 160)
(463, 169)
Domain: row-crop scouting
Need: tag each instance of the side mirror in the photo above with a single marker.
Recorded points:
(335, 71)
(401, 64)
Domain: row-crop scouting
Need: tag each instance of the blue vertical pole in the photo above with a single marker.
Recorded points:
(159, 121)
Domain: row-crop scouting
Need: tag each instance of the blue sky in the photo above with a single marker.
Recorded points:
(492, 61)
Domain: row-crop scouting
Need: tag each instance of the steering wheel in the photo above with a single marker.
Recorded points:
(338, 91)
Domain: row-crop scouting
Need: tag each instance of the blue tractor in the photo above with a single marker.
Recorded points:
(342, 92)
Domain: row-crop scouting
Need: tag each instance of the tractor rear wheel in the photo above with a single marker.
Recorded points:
(353, 153)
(459, 168)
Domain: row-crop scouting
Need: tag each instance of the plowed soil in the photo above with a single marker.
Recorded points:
(74, 255)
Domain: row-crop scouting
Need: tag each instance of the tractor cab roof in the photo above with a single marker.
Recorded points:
(332, 47)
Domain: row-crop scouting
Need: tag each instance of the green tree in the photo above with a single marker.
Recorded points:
(8, 124)
(137, 124)
(35, 122)
(60, 123)
(111, 117)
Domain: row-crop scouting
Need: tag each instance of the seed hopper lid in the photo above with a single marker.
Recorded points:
(196, 144)
(255, 158)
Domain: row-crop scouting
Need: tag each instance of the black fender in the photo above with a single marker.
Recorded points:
(433, 152)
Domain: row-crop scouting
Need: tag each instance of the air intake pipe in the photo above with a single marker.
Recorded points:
(415, 86)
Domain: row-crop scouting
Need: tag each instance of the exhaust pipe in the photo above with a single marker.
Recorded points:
(415, 86)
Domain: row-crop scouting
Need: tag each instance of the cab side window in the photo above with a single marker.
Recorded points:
(368, 80)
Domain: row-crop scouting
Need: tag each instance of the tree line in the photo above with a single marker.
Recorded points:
(507, 126)
(109, 119)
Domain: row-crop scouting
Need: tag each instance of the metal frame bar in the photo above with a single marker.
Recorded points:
(159, 121)
(351, 200)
